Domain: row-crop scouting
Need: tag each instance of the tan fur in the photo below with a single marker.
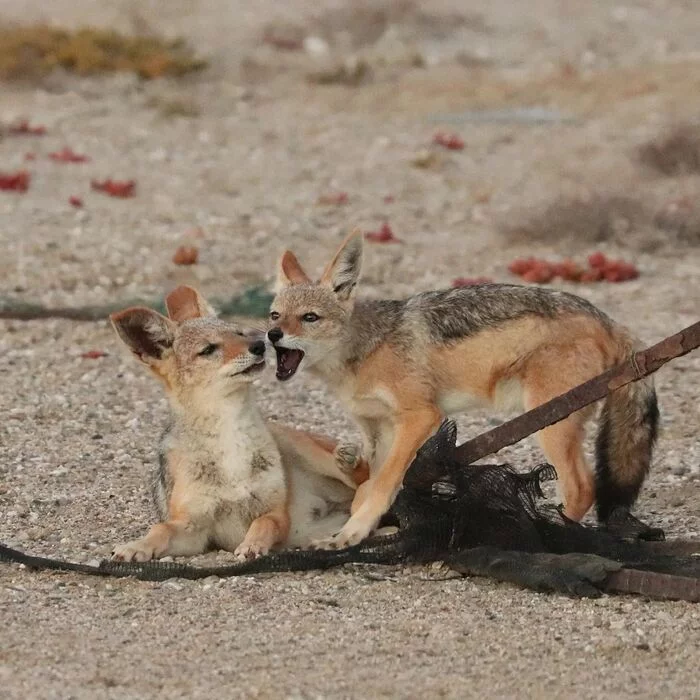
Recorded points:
(267, 531)
(315, 448)
(399, 380)
(229, 480)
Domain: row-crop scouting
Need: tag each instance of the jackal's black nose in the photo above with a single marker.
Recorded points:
(275, 335)
(257, 348)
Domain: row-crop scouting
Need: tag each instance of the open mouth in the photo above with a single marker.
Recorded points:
(288, 362)
(259, 366)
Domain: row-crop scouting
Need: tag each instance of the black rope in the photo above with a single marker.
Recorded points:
(479, 519)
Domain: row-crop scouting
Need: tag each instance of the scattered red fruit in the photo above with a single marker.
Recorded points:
(67, 155)
(600, 268)
(24, 128)
(597, 260)
(334, 199)
(29, 156)
(384, 235)
(540, 274)
(470, 281)
(115, 188)
(74, 201)
(568, 270)
(620, 271)
(15, 182)
(451, 141)
(593, 275)
(93, 354)
(521, 265)
(186, 255)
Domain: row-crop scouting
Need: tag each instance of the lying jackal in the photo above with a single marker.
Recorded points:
(227, 478)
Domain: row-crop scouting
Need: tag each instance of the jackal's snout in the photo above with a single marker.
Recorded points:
(257, 348)
(245, 358)
(275, 334)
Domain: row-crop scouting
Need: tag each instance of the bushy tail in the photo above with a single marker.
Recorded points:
(626, 436)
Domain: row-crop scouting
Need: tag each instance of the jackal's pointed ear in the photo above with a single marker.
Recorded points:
(290, 272)
(145, 332)
(343, 272)
(184, 303)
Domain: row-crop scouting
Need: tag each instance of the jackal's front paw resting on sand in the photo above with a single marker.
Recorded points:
(137, 550)
(250, 550)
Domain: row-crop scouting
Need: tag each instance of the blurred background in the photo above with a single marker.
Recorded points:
(472, 132)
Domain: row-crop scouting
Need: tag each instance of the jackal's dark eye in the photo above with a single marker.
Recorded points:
(274, 315)
(208, 350)
(311, 317)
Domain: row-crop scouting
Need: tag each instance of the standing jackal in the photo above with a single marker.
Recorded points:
(399, 366)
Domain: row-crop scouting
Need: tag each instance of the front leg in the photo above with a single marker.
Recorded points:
(177, 538)
(411, 430)
(264, 533)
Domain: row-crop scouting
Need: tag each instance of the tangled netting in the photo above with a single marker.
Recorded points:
(485, 520)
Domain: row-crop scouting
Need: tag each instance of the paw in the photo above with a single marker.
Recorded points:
(137, 550)
(250, 550)
(347, 455)
(353, 533)
(386, 531)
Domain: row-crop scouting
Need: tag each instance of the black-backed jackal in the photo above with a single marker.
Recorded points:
(227, 478)
(400, 365)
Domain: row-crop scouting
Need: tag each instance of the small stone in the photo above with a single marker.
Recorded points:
(352, 71)
(425, 158)
(316, 46)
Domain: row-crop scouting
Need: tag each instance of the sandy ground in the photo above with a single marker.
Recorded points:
(247, 167)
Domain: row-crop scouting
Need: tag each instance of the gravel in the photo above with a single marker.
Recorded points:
(79, 435)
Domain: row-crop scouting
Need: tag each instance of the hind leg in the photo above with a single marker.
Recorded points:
(550, 372)
(320, 455)
(562, 444)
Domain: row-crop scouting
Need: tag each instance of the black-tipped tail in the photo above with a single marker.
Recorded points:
(628, 428)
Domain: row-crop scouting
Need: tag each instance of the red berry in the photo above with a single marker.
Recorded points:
(93, 354)
(567, 270)
(597, 260)
(384, 235)
(521, 265)
(540, 274)
(613, 274)
(593, 275)
(450, 141)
